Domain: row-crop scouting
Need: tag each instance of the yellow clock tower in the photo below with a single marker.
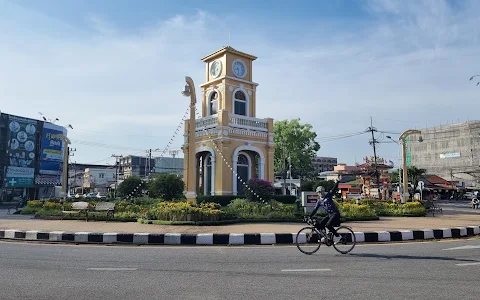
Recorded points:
(232, 145)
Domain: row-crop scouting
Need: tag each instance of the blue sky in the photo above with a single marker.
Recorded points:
(114, 69)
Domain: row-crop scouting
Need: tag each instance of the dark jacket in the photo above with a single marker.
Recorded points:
(327, 202)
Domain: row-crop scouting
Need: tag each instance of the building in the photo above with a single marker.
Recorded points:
(322, 164)
(228, 145)
(76, 174)
(31, 157)
(98, 180)
(136, 166)
(170, 165)
(450, 151)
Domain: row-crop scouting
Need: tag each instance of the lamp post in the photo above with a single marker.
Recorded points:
(402, 138)
(189, 91)
(400, 186)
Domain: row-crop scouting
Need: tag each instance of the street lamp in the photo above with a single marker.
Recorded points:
(190, 183)
(400, 187)
(402, 138)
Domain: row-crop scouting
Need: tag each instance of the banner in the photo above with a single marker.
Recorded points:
(52, 145)
(21, 141)
(22, 133)
(51, 168)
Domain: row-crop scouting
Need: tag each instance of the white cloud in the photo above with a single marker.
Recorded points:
(412, 62)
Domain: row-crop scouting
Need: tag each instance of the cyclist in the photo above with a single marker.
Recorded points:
(333, 218)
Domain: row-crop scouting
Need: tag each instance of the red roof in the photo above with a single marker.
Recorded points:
(434, 179)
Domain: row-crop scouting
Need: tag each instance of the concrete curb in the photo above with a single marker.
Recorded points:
(227, 238)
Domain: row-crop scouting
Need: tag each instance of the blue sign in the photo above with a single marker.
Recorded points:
(51, 168)
(52, 143)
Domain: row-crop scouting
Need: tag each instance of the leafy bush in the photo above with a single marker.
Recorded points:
(166, 186)
(147, 201)
(131, 186)
(246, 209)
(285, 199)
(259, 190)
(223, 200)
(348, 210)
(185, 211)
(398, 210)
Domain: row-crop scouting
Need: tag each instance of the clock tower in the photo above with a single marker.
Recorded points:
(232, 145)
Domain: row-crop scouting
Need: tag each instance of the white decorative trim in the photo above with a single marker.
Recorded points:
(219, 100)
(229, 77)
(244, 66)
(233, 139)
(230, 88)
(248, 132)
(210, 68)
(247, 101)
(261, 163)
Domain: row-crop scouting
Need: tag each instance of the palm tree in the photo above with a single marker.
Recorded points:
(414, 173)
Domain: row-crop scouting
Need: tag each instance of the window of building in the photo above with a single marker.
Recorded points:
(213, 103)
(240, 103)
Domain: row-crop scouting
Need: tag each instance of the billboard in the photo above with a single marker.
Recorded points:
(21, 151)
(52, 149)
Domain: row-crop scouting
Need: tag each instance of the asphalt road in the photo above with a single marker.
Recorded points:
(395, 271)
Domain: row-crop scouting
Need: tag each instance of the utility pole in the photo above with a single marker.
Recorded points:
(373, 142)
(70, 152)
(284, 172)
(149, 162)
(116, 173)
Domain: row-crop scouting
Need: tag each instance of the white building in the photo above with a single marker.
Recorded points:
(98, 180)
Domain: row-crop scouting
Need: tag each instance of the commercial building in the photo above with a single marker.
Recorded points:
(450, 151)
(136, 166)
(170, 165)
(322, 164)
(31, 157)
(99, 180)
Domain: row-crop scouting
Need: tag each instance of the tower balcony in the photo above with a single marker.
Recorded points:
(234, 125)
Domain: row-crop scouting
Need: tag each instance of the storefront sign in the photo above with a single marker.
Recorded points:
(21, 142)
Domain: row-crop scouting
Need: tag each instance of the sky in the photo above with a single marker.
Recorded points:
(114, 69)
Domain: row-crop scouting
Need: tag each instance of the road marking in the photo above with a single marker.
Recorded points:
(463, 247)
(469, 264)
(112, 269)
(306, 270)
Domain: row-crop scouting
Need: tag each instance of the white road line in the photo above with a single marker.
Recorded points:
(469, 264)
(306, 270)
(463, 247)
(112, 269)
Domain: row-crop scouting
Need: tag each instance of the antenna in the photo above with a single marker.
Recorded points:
(228, 36)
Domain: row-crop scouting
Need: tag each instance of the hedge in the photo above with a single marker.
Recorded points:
(224, 200)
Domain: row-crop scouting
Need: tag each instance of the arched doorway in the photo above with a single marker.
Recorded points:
(244, 171)
(205, 174)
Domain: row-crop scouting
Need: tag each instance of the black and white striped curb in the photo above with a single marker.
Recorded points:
(228, 238)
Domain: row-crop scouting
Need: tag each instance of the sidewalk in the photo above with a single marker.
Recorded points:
(448, 220)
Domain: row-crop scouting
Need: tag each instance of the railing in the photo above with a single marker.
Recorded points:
(210, 121)
(247, 122)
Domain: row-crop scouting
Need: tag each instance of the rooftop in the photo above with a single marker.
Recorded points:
(230, 50)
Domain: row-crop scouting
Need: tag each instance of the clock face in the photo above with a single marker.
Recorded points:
(239, 68)
(216, 68)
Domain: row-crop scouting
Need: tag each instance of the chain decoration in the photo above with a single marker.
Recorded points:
(130, 196)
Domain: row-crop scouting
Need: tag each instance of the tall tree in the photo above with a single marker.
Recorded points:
(295, 141)
(413, 174)
(166, 186)
(131, 186)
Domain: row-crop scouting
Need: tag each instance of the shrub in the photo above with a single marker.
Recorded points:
(259, 190)
(285, 199)
(223, 200)
(35, 203)
(184, 211)
(246, 209)
(131, 186)
(348, 210)
(166, 186)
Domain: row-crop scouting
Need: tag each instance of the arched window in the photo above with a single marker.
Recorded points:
(213, 103)
(240, 103)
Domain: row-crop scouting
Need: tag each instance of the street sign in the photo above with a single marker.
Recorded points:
(421, 185)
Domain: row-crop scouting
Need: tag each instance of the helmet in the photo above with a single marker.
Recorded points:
(320, 189)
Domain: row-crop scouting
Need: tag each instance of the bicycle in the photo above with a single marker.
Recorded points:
(311, 237)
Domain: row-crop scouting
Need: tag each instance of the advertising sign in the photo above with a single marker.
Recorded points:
(309, 199)
(21, 151)
(51, 155)
(50, 168)
(52, 145)
(20, 177)
(449, 155)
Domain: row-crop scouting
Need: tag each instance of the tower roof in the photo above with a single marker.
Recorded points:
(230, 50)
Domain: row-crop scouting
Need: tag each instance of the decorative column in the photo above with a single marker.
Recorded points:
(191, 191)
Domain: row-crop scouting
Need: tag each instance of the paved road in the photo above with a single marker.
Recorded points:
(463, 207)
(4, 215)
(395, 271)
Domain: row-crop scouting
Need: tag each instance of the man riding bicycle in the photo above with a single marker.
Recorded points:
(333, 218)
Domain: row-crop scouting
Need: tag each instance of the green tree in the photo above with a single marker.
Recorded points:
(131, 186)
(413, 174)
(166, 186)
(295, 141)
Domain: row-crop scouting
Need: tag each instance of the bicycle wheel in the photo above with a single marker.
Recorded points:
(348, 241)
(308, 240)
